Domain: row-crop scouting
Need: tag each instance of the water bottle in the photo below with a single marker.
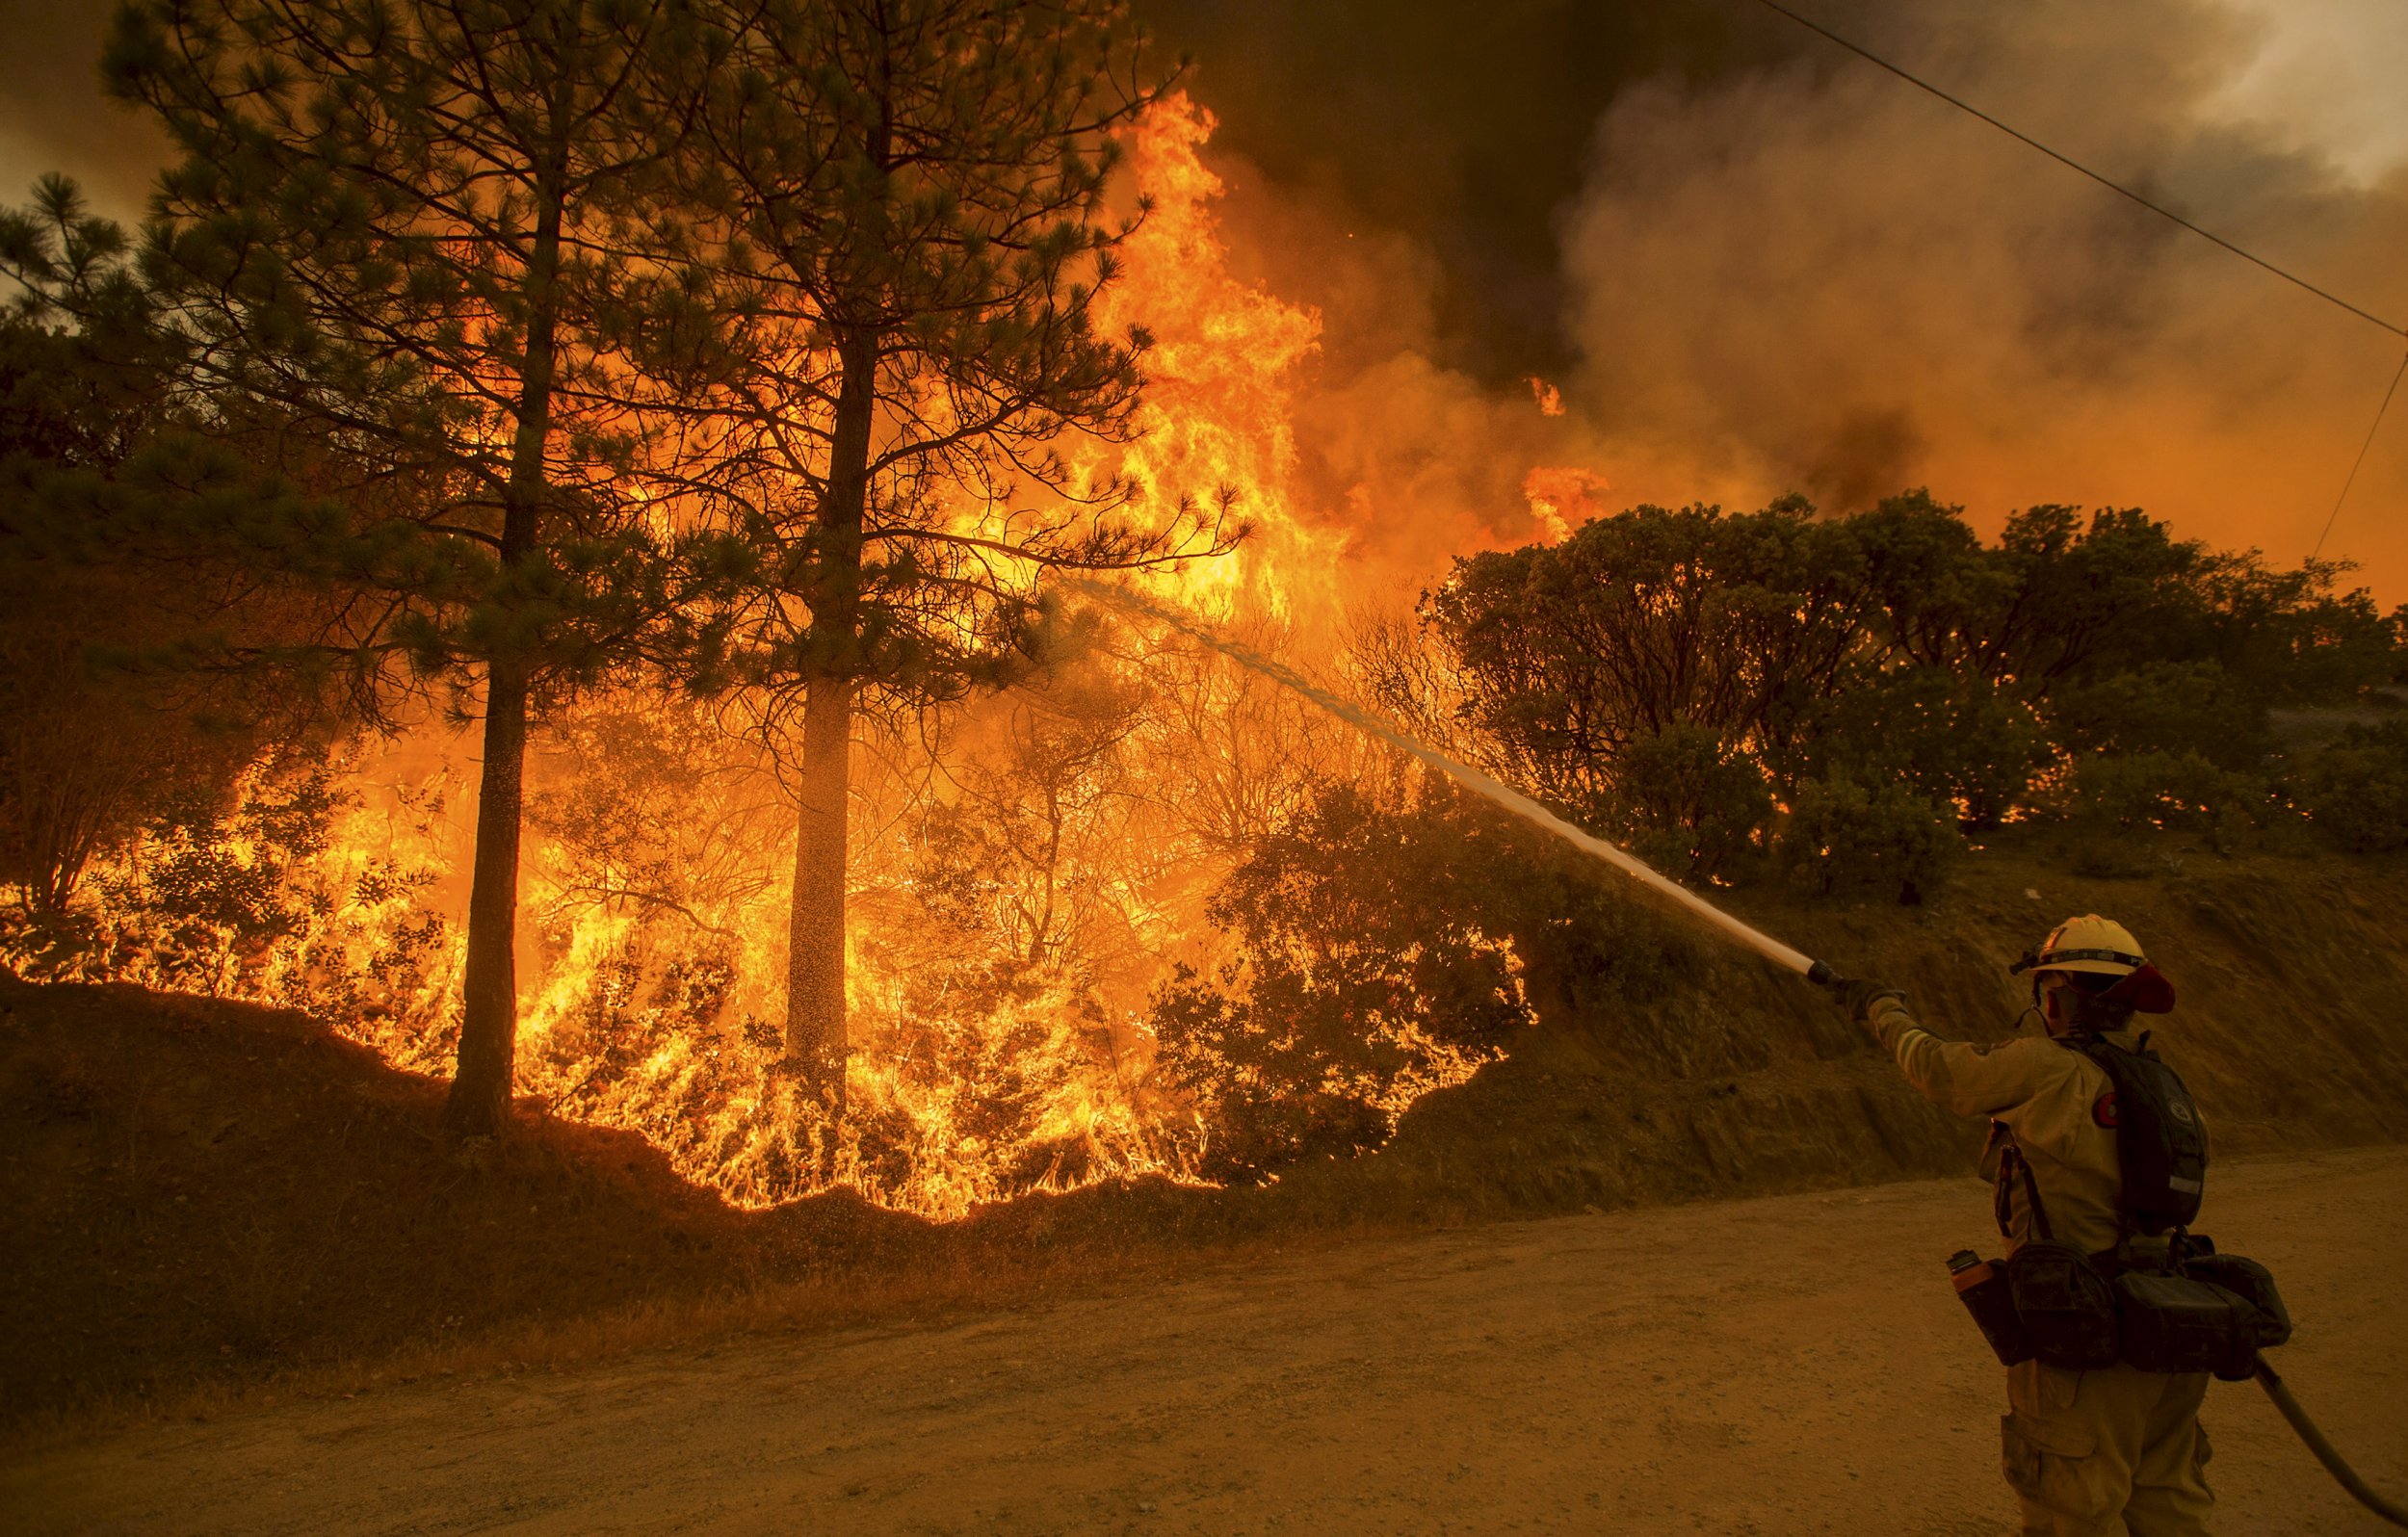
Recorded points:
(1982, 1285)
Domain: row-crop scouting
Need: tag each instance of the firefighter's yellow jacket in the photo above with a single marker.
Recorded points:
(2089, 1453)
(2047, 1098)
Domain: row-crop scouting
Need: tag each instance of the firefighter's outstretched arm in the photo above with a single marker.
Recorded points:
(1959, 1078)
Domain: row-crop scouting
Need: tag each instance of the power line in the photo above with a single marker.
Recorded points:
(2019, 135)
(2352, 478)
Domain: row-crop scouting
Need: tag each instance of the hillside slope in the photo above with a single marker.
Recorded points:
(2291, 1031)
(193, 1188)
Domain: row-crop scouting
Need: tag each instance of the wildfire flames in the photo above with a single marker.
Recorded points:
(1027, 868)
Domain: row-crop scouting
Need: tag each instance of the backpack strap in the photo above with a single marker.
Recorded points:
(2094, 1050)
(2011, 1162)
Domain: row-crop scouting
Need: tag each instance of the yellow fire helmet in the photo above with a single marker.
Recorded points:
(2100, 945)
(2104, 949)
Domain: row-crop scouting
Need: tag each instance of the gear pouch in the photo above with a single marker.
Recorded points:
(2175, 1323)
(2067, 1307)
(2254, 1284)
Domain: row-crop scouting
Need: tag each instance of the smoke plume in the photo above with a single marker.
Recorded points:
(1815, 276)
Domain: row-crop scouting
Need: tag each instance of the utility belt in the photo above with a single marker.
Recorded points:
(2194, 1310)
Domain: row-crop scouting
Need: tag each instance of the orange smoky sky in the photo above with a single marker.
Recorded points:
(1744, 263)
(1816, 275)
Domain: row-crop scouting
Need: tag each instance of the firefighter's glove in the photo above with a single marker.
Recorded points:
(1856, 995)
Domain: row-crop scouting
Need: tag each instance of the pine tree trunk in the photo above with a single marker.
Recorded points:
(480, 1101)
(816, 1034)
(482, 1083)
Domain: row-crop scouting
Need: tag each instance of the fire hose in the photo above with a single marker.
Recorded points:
(2314, 1439)
(1763, 944)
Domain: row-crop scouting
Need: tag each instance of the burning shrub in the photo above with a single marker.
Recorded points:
(994, 1052)
(1364, 977)
(254, 898)
(1037, 841)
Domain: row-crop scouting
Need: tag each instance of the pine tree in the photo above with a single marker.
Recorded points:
(912, 198)
(422, 236)
(86, 753)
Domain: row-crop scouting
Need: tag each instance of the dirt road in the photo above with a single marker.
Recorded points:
(1793, 1365)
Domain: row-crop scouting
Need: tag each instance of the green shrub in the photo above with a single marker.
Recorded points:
(1380, 951)
(1363, 974)
(2175, 708)
(1957, 740)
(1844, 836)
(2111, 795)
(2355, 789)
(1690, 803)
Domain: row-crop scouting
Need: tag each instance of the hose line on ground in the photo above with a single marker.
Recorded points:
(2342, 1473)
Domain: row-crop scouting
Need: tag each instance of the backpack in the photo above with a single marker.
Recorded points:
(2160, 1142)
(2201, 1310)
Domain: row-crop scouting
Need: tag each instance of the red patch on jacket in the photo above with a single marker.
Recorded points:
(2104, 1111)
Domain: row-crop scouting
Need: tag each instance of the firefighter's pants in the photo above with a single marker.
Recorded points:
(2105, 1454)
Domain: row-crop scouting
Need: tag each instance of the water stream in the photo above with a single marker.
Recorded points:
(1469, 778)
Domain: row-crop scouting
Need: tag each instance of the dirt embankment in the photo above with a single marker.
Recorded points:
(194, 1188)
(196, 1192)
(198, 1196)
(1735, 1079)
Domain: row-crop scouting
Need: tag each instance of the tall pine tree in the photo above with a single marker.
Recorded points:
(421, 234)
(912, 198)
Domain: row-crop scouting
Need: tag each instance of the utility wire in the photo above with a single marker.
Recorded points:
(2352, 478)
(2018, 135)
(1918, 82)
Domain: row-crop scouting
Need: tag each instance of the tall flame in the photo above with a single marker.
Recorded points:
(1219, 411)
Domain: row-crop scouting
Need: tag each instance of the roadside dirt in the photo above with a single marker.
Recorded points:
(1786, 1364)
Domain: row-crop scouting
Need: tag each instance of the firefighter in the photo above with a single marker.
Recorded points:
(2098, 1452)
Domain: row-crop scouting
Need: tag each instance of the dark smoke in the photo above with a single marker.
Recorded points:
(1766, 266)
(1460, 126)
(1753, 263)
